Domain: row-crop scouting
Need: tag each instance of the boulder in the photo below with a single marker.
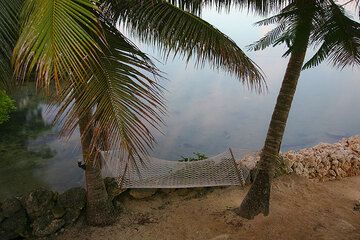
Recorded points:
(112, 187)
(10, 207)
(14, 226)
(58, 212)
(142, 193)
(74, 198)
(71, 216)
(38, 203)
(46, 225)
(70, 204)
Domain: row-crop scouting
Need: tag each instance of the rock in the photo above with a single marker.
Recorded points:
(74, 198)
(7, 235)
(221, 237)
(72, 202)
(38, 203)
(58, 212)
(345, 225)
(142, 193)
(11, 206)
(167, 190)
(112, 188)
(183, 191)
(14, 226)
(46, 225)
(332, 173)
(71, 216)
(357, 206)
(119, 206)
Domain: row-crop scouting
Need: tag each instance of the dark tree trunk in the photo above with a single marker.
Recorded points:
(257, 199)
(99, 209)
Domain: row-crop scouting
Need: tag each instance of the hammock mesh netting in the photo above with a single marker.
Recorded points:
(221, 170)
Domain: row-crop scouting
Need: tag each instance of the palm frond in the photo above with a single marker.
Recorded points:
(262, 7)
(58, 40)
(125, 96)
(182, 33)
(9, 29)
(271, 38)
(339, 37)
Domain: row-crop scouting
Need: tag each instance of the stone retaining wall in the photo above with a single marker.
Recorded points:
(322, 162)
(326, 161)
(40, 213)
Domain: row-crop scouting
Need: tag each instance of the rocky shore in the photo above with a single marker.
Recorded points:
(322, 162)
(40, 213)
(44, 213)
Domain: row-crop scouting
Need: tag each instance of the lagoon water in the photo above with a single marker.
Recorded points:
(208, 111)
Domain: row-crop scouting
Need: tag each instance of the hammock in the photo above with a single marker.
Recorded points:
(219, 170)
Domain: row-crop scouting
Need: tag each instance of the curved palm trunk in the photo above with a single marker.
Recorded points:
(99, 210)
(257, 199)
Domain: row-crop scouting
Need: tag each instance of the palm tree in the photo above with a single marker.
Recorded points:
(105, 84)
(301, 23)
(322, 23)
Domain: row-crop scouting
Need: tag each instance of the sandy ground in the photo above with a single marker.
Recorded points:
(300, 209)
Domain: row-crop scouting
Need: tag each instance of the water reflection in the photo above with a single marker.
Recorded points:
(31, 155)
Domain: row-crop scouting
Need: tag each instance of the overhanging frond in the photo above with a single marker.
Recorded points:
(58, 40)
(9, 29)
(177, 31)
(125, 97)
(262, 7)
(339, 37)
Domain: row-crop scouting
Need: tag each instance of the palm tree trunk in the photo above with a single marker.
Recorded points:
(257, 199)
(99, 210)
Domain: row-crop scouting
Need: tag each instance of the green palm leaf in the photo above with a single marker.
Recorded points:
(9, 28)
(263, 7)
(182, 33)
(339, 39)
(127, 98)
(57, 40)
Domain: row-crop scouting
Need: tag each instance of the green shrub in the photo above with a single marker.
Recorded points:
(198, 157)
(7, 105)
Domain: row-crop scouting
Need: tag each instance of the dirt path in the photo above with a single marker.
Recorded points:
(300, 209)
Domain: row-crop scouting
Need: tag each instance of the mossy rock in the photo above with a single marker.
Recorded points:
(142, 193)
(10, 206)
(74, 198)
(17, 225)
(46, 225)
(39, 202)
(58, 212)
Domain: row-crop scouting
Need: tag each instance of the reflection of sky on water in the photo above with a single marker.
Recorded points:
(209, 111)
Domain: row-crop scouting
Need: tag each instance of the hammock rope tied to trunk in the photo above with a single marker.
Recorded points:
(224, 169)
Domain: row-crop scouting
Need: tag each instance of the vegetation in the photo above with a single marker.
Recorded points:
(7, 105)
(107, 86)
(197, 157)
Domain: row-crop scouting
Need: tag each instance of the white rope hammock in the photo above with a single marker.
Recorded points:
(220, 170)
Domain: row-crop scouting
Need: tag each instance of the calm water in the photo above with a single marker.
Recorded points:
(209, 111)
